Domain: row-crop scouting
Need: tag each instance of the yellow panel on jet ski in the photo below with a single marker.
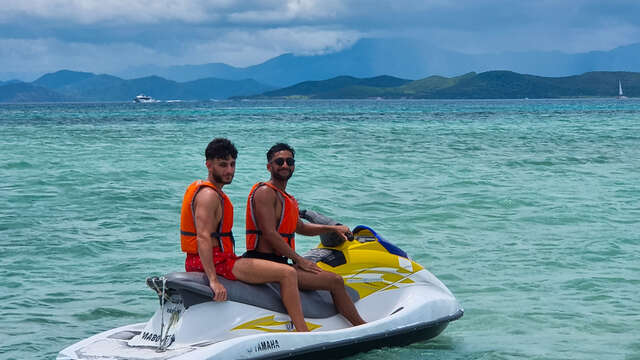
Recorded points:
(269, 324)
(370, 267)
(370, 255)
(371, 271)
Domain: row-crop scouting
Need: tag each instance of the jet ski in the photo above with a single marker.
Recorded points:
(401, 301)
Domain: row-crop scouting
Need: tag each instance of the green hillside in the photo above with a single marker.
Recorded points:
(339, 87)
(431, 84)
(487, 85)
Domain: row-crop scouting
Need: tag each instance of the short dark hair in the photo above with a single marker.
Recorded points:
(279, 147)
(220, 148)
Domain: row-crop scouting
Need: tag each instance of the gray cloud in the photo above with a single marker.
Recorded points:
(108, 35)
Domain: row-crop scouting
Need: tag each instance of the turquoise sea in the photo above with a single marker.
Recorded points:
(528, 210)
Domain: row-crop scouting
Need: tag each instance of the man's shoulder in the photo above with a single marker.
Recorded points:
(207, 194)
(264, 192)
(260, 190)
(267, 187)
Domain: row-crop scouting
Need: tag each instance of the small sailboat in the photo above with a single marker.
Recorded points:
(620, 93)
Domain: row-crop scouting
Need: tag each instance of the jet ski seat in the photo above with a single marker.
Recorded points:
(193, 288)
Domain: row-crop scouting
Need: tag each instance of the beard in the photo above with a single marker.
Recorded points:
(276, 175)
(217, 178)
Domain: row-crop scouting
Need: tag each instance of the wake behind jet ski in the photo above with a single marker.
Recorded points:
(401, 301)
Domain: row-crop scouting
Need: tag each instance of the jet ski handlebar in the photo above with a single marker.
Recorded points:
(329, 239)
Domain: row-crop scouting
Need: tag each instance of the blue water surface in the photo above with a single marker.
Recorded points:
(528, 210)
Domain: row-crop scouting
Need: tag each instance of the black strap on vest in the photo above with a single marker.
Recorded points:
(288, 236)
(258, 232)
(218, 235)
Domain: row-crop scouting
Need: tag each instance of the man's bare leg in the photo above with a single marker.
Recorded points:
(258, 271)
(335, 284)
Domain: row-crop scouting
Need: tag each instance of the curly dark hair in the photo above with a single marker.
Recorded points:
(220, 148)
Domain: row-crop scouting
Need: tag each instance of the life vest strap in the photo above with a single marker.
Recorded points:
(187, 233)
(218, 235)
(258, 232)
(289, 238)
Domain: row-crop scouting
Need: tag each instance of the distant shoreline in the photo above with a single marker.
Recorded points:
(76, 87)
(631, 99)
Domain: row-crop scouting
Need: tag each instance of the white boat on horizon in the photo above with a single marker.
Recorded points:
(142, 98)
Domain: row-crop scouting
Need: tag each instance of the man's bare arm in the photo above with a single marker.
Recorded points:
(265, 201)
(208, 214)
(309, 229)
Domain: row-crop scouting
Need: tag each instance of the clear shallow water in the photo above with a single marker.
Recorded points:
(529, 211)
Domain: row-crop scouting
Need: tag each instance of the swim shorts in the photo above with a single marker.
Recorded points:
(254, 254)
(223, 261)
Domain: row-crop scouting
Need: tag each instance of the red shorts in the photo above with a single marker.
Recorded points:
(223, 261)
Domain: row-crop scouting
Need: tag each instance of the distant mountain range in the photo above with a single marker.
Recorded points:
(369, 68)
(487, 85)
(27, 92)
(65, 85)
(68, 85)
(402, 58)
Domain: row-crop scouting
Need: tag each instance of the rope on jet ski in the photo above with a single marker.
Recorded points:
(162, 344)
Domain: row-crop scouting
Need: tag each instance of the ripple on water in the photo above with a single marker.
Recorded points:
(101, 313)
(16, 165)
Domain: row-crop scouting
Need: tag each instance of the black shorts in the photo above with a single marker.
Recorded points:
(255, 254)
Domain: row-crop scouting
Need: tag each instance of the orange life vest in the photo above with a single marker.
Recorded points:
(288, 220)
(188, 236)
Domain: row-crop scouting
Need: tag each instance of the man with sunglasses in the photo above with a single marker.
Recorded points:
(272, 221)
(205, 235)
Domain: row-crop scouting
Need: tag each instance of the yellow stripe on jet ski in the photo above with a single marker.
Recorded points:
(367, 282)
(269, 324)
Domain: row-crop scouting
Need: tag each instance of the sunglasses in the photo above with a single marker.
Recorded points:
(280, 161)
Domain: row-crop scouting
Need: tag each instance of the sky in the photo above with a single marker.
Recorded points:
(107, 36)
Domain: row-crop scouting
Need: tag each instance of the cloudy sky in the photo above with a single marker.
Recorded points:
(107, 36)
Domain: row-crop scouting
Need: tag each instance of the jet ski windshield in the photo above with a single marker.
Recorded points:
(364, 234)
